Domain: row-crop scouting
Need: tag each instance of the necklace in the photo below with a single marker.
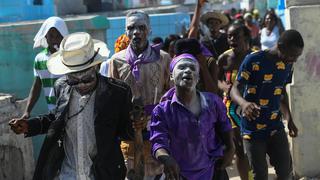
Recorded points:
(81, 107)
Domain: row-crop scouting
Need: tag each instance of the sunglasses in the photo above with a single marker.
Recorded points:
(85, 80)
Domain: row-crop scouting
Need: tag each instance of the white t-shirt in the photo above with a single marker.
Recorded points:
(104, 68)
(268, 42)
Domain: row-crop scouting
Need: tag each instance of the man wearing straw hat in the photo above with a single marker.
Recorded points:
(215, 41)
(92, 113)
(146, 69)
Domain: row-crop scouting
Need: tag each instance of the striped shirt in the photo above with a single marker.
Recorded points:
(47, 79)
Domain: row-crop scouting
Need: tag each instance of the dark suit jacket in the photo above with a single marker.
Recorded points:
(111, 110)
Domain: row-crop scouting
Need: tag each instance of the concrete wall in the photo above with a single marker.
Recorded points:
(305, 89)
(290, 3)
(16, 152)
(65, 7)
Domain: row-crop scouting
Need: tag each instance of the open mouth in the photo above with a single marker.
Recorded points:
(136, 40)
(187, 78)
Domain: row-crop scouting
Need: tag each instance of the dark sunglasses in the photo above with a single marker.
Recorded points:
(84, 80)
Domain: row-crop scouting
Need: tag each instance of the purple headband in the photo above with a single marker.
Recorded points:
(176, 59)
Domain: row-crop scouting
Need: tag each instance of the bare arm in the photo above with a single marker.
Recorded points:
(236, 95)
(222, 84)
(285, 110)
(194, 25)
(227, 138)
(33, 97)
(209, 74)
(284, 105)
(161, 152)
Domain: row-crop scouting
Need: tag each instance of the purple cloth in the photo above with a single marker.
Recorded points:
(168, 95)
(149, 108)
(194, 142)
(151, 54)
(205, 51)
(176, 59)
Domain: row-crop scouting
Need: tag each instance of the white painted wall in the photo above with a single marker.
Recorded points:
(304, 93)
(16, 153)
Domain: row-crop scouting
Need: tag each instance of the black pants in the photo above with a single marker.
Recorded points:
(277, 147)
(220, 175)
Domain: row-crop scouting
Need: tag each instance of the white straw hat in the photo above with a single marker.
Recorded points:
(216, 15)
(77, 52)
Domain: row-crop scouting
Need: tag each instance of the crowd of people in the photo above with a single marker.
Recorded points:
(178, 108)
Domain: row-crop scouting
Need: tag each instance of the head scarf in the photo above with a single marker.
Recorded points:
(121, 43)
(56, 22)
(176, 59)
(151, 54)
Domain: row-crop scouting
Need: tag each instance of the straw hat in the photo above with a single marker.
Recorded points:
(216, 15)
(77, 52)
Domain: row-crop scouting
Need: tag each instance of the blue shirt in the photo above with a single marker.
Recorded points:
(194, 142)
(264, 82)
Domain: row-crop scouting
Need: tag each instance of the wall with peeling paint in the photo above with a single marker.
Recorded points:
(304, 16)
(16, 152)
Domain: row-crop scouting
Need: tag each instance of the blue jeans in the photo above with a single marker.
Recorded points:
(277, 148)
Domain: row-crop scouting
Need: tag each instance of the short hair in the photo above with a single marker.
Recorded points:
(168, 40)
(157, 40)
(243, 28)
(139, 12)
(187, 45)
(290, 38)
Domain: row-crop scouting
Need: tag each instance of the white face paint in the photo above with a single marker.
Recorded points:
(137, 29)
(186, 74)
(83, 81)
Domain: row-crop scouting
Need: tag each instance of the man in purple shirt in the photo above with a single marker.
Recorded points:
(190, 132)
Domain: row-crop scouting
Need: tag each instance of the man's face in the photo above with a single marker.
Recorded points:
(84, 81)
(137, 30)
(290, 55)
(186, 74)
(236, 37)
(213, 25)
(54, 38)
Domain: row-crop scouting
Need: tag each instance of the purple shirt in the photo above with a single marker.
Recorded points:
(194, 142)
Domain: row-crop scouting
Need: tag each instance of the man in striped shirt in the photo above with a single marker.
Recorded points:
(49, 37)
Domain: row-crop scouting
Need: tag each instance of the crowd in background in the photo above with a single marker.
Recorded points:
(178, 108)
